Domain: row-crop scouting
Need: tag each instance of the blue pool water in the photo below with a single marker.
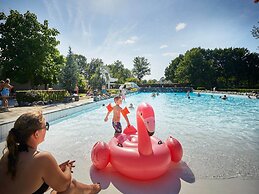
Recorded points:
(220, 138)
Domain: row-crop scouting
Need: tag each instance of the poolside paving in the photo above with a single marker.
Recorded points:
(115, 185)
(15, 112)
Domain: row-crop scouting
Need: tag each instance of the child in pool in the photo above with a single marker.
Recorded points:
(131, 106)
(116, 116)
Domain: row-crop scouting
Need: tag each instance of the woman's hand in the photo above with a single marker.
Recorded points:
(68, 164)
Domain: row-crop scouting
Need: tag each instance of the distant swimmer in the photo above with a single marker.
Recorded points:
(253, 97)
(157, 94)
(224, 97)
(188, 94)
(153, 94)
(131, 106)
(211, 96)
(198, 94)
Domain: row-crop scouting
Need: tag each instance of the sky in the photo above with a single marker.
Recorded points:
(158, 30)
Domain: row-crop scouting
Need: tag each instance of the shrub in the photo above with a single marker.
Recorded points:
(133, 89)
(113, 91)
(242, 90)
(40, 95)
(201, 88)
(27, 96)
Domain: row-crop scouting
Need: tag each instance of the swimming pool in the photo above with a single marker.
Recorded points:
(220, 138)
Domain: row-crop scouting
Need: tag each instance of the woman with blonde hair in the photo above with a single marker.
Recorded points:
(24, 169)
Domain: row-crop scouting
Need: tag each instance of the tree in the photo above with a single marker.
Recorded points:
(141, 67)
(133, 79)
(152, 81)
(224, 68)
(82, 83)
(94, 73)
(118, 71)
(194, 68)
(170, 70)
(70, 73)
(255, 31)
(28, 49)
(81, 62)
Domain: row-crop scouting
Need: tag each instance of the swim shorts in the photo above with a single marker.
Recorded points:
(5, 92)
(117, 127)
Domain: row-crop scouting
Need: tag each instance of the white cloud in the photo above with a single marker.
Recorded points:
(180, 26)
(130, 40)
(54, 11)
(170, 54)
(163, 46)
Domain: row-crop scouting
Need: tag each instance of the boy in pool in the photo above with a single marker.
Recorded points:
(116, 116)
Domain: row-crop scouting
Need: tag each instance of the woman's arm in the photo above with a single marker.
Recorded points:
(52, 174)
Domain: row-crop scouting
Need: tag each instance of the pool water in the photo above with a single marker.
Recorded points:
(220, 138)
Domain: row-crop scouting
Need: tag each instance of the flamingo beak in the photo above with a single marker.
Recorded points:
(150, 125)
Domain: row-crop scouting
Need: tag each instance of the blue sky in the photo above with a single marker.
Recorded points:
(159, 30)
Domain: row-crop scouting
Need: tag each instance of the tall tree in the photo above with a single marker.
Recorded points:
(224, 68)
(81, 62)
(141, 67)
(28, 49)
(70, 72)
(82, 65)
(118, 71)
(170, 70)
(194, 69)
(94, 73)
(255, 32)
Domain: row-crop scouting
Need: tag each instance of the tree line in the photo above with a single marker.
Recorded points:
(95, 73)
(29, 54)
(222, 68)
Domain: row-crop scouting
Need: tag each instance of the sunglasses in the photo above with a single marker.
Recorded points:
(47, 126)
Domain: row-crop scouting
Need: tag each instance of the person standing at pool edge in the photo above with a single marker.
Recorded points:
(123, 93)
(116, 115)
(6, 92)
(24, 169)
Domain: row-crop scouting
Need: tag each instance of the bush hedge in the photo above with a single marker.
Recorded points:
(113, 91)
(41, 95)
(201, 88)
(241, 90)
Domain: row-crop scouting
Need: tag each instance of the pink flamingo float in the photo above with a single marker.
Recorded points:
(136, 153)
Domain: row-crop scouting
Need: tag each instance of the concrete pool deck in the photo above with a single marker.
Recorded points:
(15, 112)
(113, 183)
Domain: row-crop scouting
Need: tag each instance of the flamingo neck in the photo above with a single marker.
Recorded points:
(144, 141)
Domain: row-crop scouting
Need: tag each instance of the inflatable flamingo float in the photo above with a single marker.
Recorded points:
(136, 153)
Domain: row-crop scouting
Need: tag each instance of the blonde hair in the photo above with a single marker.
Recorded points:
(18, 136)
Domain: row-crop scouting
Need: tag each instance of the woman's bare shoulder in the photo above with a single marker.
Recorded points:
(43, 155)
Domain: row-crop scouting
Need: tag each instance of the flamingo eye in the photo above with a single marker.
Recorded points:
(141, 114)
